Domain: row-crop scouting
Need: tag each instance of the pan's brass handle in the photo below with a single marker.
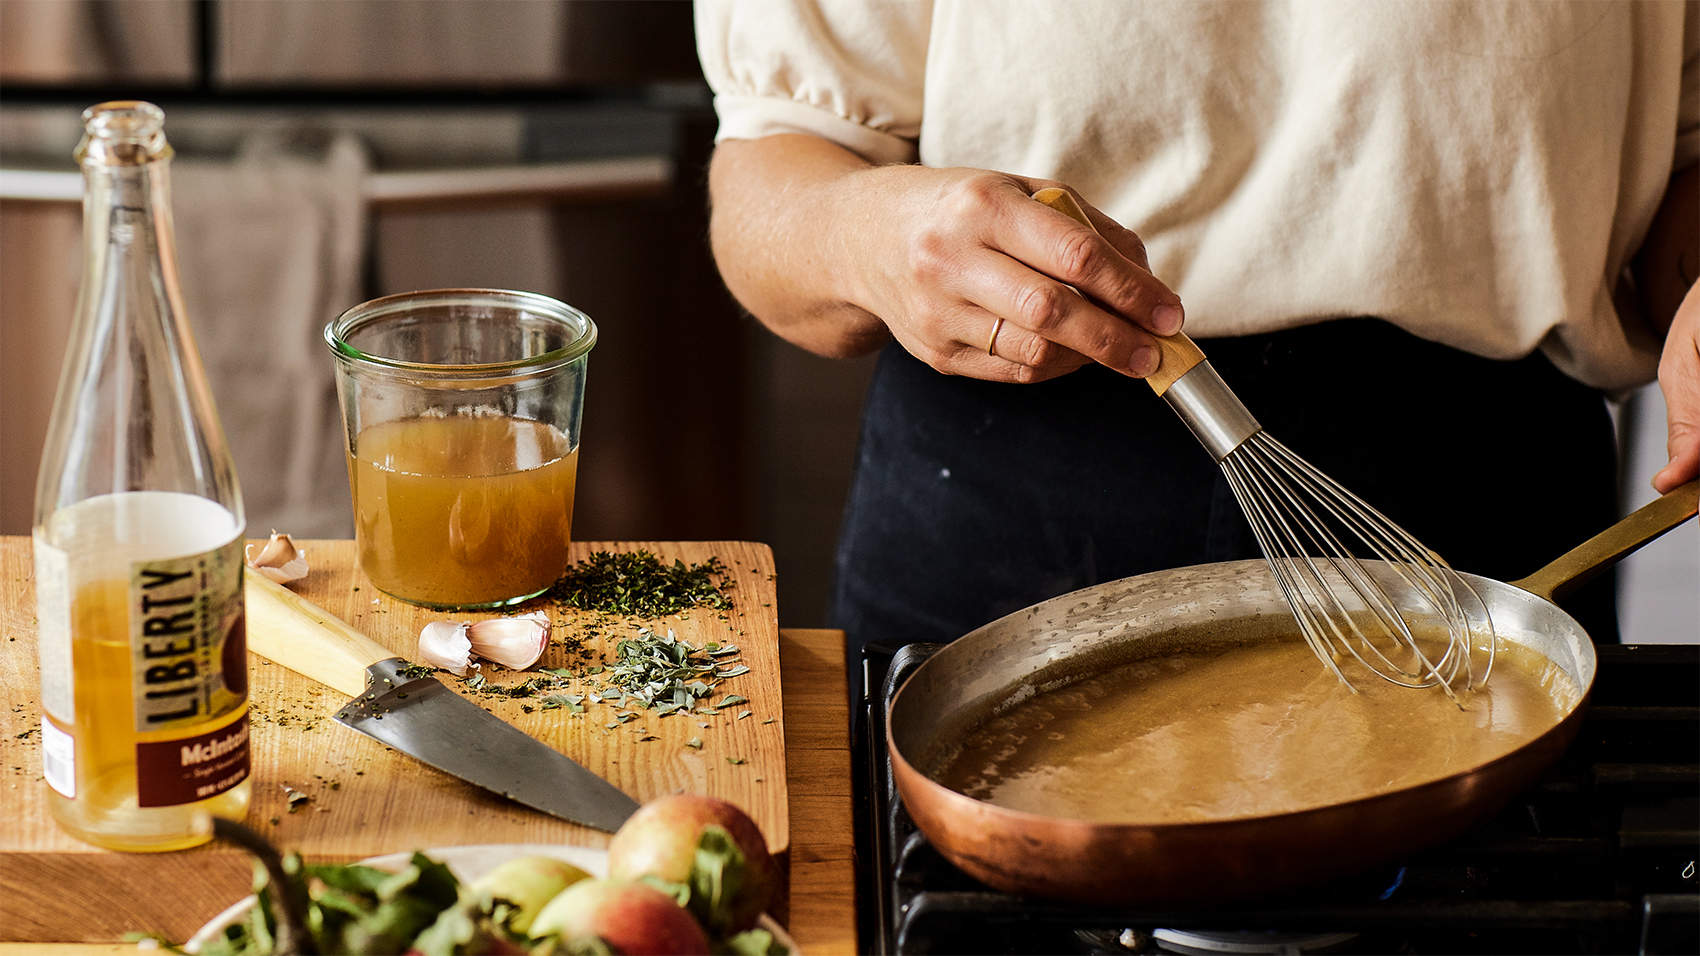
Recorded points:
(1176, 353)
(1584, 562)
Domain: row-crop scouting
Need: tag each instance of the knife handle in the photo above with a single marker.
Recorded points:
(1177, 354)
(288, 629)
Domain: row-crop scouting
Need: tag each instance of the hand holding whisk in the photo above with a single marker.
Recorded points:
(1358, 585)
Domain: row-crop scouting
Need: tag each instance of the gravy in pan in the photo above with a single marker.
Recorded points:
(1244, 731)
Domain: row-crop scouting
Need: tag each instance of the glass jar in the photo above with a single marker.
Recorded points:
(462, 410)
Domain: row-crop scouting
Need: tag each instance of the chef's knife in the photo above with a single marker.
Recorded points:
(419, 716)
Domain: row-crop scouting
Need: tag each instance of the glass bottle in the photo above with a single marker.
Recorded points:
(138, 532)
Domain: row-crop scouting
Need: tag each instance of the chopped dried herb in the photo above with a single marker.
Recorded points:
(527, 688)
(639, 584)
(660, 672)
(574, 703)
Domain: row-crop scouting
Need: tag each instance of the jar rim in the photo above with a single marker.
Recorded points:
(338, 329)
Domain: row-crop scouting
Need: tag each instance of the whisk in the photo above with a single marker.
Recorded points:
(1354, 580)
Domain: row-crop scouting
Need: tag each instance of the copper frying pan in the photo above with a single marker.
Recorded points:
(1216, 861)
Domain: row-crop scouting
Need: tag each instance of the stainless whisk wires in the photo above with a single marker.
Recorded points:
(1313, 532)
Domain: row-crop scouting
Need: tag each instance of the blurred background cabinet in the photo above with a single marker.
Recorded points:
(329, 152)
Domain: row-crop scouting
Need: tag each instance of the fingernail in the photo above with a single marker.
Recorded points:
(1143, 361)
(1166, 319)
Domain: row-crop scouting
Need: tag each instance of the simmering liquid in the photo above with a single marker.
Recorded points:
(463, 511)
(1243, 731)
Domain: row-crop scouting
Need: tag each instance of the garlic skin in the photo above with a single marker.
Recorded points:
(279, 559)
(515, 642)
(444, 644)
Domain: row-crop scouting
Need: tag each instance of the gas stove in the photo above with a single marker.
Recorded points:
(1599, 857)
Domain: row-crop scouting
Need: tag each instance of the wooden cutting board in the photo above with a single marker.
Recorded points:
(362, 799)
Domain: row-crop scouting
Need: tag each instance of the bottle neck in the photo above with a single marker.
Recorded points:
(127, 211)
(134, 412)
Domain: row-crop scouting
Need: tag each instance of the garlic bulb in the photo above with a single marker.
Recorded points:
(279, 559)
(444, 644)
(515, 642)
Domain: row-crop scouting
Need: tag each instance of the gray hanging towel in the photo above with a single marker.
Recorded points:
(270, 249)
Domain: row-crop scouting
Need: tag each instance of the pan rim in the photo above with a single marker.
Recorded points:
(1568, 718)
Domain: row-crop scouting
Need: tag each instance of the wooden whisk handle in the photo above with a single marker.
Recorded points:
(1177, 354)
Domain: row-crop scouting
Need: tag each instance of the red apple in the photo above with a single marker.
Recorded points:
(632, 918)
(703, 843)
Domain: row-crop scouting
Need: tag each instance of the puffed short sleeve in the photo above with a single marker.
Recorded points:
(850, 71)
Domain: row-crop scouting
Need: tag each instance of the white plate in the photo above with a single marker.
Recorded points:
(467, 863)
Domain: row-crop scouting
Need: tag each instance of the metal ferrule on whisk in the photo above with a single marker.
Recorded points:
(1212, 410)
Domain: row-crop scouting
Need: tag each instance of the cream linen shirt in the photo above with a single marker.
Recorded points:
(1478, 173)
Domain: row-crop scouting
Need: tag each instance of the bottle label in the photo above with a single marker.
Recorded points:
(189, 666)
(188, 642)
(59, 759)
(172, 772)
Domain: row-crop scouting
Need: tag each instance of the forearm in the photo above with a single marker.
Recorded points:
(959, 265)
(783, 237)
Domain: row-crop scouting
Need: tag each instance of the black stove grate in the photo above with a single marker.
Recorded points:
(1599, 857)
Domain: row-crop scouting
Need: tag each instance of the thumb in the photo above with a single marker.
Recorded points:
(1683, 446)
(1679, 379)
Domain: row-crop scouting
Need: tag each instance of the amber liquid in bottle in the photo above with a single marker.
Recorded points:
(138, 533)
(133, 788)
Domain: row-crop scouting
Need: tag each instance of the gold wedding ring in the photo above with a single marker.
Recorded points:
(992, 343)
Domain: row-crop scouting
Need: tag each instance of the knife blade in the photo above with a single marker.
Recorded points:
(419, 716)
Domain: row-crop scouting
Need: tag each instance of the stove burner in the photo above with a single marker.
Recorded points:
(1205, 942)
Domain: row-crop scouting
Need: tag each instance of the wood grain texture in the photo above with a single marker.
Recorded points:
(822, 903)
(68, 950)
(365, 800)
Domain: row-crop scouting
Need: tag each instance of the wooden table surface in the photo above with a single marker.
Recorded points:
(48, 881)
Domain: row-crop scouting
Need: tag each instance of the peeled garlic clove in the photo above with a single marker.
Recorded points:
(444, 644)
(515, 642)
(279, 559)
